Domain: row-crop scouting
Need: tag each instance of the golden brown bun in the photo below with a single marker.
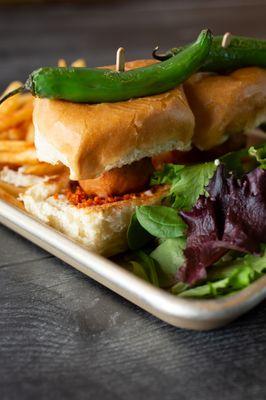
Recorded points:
(226, 105)
(93, 138)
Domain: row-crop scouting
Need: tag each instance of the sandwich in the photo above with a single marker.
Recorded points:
(228, 109)
(107, 149)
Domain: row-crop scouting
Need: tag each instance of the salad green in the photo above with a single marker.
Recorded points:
(161, 221)
(259, 154)
(161, 233)
(187, 182)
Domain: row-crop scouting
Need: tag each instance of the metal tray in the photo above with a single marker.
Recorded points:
(185, 313)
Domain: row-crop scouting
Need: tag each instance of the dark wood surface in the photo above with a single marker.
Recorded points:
(63, 336)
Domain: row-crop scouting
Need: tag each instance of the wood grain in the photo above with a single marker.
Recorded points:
(63, 336)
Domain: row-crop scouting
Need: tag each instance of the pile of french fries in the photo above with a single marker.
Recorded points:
(17, 140)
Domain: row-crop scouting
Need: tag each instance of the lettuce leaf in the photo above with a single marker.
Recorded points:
(233, 217)
(187, 182)
(139, 270)
(145, 267)
(260, 154)
(169, 257)
(226, 277)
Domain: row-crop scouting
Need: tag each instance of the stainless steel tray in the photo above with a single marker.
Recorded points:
(185, 313)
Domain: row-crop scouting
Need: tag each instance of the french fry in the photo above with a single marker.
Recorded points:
(4, 195)
(61, 63)
(44, 169)
(17, 141)
(15, 145)
(11, 189)
(15, 114)
(13, 102)
(79, 63)
(4, 135)
(17, 133)
(26, 98)
(26, 157)
(21, 115)
(12, 86)
(30, 133)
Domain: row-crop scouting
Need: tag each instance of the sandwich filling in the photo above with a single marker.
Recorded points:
(130, 178)
(125, 183)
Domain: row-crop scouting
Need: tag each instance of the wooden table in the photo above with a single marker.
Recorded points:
(63, 336)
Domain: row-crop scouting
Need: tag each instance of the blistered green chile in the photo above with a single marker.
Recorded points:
(93, 85)
(241, 52)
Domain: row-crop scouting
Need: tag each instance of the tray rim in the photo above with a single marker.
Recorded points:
(204, 314)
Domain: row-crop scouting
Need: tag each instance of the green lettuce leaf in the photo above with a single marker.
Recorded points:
(139, 270)
(169, 257)
(149, 266)
(179, 288)
(234, 161)
(168, 175)
(187, 182)
(260, 154)
(160, 266)
(226, 278)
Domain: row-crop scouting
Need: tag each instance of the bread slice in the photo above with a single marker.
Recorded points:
(100, 228)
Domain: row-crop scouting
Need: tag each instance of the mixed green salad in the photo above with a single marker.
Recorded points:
(208, 239)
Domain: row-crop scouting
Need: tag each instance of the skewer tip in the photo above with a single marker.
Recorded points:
(120, 59)
(226, 40)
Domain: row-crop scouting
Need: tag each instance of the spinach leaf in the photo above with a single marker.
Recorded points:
(160, 221)
(137, 236)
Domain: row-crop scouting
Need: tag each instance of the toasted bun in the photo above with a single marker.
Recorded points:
(101, 229)
(226, 105)
(93, 138)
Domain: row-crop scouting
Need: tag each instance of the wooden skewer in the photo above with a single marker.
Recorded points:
(61, 63)
(120, 60)
(226, 40)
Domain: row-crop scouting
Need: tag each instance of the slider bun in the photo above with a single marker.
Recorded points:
(101, 229)
(93, 138)
(224, 105)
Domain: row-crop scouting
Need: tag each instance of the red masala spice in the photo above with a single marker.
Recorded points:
(80, 199)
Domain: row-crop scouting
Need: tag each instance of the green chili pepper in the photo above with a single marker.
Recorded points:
(84, 85)
(241, 52)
